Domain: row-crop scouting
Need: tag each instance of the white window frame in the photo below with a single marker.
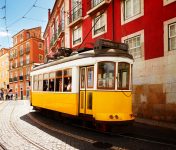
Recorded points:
(141, 34)
(133, 17)
(27, 59)
(105, 24)
(21, 61)
(40, 43)
(171, 37)
(166, 37)
(166, 2)
(80, 36)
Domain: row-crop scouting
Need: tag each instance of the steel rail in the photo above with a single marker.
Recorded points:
(22, 135)
(94, 141)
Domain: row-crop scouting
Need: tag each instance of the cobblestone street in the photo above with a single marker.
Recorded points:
(21, 128)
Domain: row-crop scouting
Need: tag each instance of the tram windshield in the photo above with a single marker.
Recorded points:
(107, 75)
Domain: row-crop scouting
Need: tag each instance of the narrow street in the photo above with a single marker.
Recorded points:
(23, 128)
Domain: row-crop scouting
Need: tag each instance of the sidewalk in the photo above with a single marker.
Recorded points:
(156, 123)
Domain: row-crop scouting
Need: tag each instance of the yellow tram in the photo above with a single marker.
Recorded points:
(95, 83)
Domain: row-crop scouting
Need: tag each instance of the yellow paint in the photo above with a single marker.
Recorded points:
(104, 104)
(62, 102)
(112, 103)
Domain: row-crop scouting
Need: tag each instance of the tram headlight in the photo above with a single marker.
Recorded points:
(116, 116)
(111, 116)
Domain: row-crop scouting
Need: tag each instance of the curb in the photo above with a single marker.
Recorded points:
(156, 123)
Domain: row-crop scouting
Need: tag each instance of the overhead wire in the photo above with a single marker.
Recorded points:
(17, 20)
(7, 26)
(5, 10)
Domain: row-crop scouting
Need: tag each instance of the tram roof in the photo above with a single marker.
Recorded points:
(90, 53)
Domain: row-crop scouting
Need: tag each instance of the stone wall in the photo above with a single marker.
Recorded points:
(154, 86)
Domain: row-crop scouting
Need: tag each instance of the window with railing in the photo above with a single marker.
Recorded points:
(100, 24)
(77, 35)
(94, 3)
(76, 11)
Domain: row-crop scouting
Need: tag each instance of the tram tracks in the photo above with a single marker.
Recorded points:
(92, 141)
(3, 105)
(15, 128)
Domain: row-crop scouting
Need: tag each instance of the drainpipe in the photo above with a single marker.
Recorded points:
(113, 20)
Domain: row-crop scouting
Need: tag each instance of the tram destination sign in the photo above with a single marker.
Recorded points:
(104, 44)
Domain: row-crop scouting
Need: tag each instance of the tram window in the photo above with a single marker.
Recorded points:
(58, 86)
(35, 86)
(123, 75)
(45, 85)
(45, 82)
(51, 84)
(82, 77)
(40, 88)
(106, 78)
(90, 77)
(52, 81)
(67, 80)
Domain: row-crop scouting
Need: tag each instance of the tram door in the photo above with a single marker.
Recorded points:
(86, 86)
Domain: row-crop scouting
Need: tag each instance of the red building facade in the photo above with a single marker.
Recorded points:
(149, 28)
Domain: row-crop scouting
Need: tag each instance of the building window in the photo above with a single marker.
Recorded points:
(172, 36)
(62, 17)
(21, 61)
(40, 45)
(28, 35)
(16, 63)
(77, 35)
(27, 59)
(27, 47)
(15, 40)
(21, 50)
(132, 9)
(21, 37)
(40, 57)
(99, 24)
(134, 44)
(166, 2)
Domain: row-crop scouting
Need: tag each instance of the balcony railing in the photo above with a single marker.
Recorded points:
(75, 15)
(96, 5)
